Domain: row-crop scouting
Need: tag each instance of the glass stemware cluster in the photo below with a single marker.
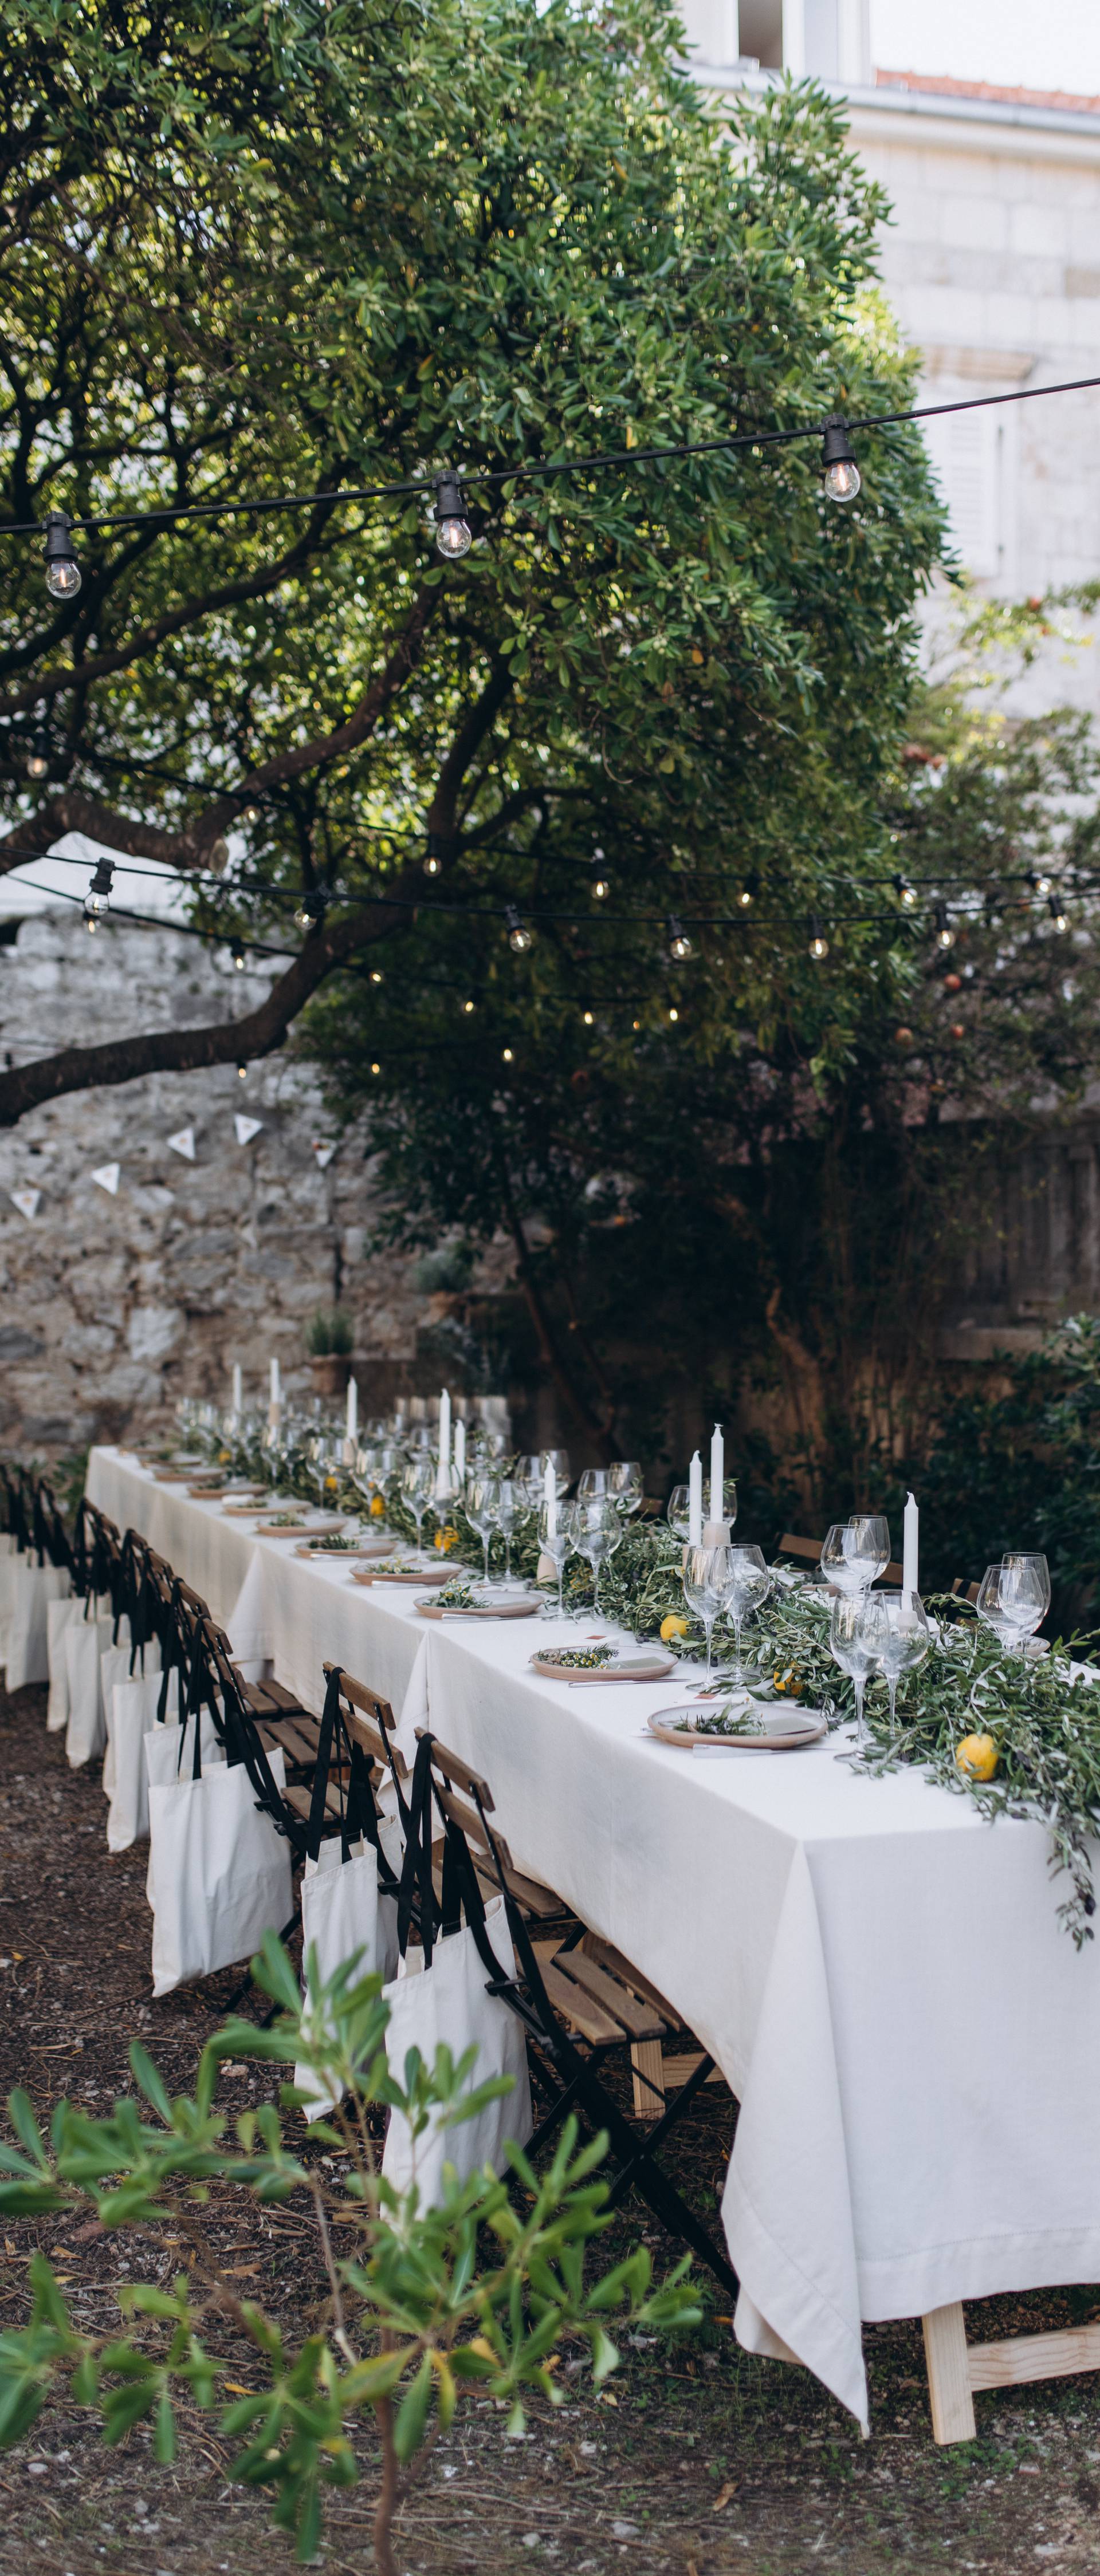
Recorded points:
(870, 1632)
(731, 1581)
(1013, 1599)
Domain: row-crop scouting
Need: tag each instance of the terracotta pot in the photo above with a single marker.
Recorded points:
(330, 1372)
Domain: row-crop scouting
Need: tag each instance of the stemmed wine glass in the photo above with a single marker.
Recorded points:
(417, 1480)
(595, 1530)
(1014, 1597)
(907, 1640)
(510, 1504)
(554, 1542)
(705, 1588)
(481, 1508)
(621, 1483)
(859, 1629)
(854, 1553)
(323, 1455)
(678, 1512)
(748, 1582)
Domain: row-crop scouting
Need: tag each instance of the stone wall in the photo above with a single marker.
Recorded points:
(112, 1307)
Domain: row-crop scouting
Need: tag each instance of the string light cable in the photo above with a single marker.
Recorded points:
(450, 486)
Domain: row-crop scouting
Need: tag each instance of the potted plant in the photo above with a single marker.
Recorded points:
(329, 1340)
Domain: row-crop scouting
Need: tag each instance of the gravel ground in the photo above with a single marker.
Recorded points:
(699, 2460)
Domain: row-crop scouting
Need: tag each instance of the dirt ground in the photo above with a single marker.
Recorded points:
(699, 2460)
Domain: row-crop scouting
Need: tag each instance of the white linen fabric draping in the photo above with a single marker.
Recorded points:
(221, 1872)
(447, 2001)
(29, 1589)
(879, 1973)
(342, 1912)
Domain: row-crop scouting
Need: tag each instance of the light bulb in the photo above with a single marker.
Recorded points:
(674, 1015)
(376, 974)
(237, 954)
(433, 866)
(376, 1068)
(588, 1019)
(1058, 917)
(906, 894)
(841, 471)
(62, 568)
(819, 945)
(242, 1073)
(98, 897)
(453, 534)
(308, 910)
(467, 1006)
(601, 888)
(1036, 878)
(745, 898)
(945, 936)
(38, 757)
(679, 944)
(507, 1055)
(520, 938)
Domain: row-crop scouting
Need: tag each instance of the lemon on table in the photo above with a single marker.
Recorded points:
(789, 1682)
(673, 1626)
(377, 1508)
(978, 1756)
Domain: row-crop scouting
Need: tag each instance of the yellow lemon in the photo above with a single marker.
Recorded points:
(790, 1682)
(978, 1756)
(223, 1457)
(377, 1508)
(673, 1626)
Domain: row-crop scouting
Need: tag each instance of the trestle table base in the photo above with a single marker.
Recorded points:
(958, 2369)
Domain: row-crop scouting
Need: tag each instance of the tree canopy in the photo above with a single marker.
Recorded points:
(317, 248)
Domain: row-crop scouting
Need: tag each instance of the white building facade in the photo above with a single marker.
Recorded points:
(992, 265)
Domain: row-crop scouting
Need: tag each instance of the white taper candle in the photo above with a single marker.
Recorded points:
(695, 1501)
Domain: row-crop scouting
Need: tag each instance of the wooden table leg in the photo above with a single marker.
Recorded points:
(949, 2374)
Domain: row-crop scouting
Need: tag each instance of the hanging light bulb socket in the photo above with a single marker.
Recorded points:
(453, 533)
(680, 946)
(98, 898)
(906, 893)
(747, 893)
(1059, 917)
(439, 851)
(38, 756)
(520, 938)
(1038, 880)
(819, 945)
(842, 476)
(242, 1073)
(62, 569)
(309, 910)
(945, 936)
(236, 952)
(600, 882)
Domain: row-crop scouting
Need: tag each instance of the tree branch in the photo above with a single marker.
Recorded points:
(70, 811)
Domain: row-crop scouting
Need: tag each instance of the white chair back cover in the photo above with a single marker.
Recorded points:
(221, 1872)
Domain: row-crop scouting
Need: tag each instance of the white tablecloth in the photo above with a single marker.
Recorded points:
(879, 1974)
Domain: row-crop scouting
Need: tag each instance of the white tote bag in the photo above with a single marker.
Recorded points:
(447, 2000)
(134, 1703)
(114, 1666)
(343, 1911)
(9, 1559)
(85, 1641)
(59, 1617)
(168, 1751)
(31, 1588)
(221, 1873)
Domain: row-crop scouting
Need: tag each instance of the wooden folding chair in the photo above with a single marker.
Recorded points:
(577, 2010)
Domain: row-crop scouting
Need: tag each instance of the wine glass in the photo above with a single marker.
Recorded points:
(705, 1589)
(558, 1459)
(854, 1553)
(1013, 1598)
(678, 1512)
(527, 1474)
(595, 1530)
(554, 1542)
(728, 1512)
(907, 1640)
(510, 1504)
(627, 1486)
(417, 1480)
(858, 1633)
(748, 1582)
(481, 1508)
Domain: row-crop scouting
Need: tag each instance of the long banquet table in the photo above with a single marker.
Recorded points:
(879, 1974)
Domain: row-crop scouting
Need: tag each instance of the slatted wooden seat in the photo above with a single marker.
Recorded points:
(808, 1550)
(964, 1590)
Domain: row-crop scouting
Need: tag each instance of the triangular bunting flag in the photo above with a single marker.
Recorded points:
(183, 1142)
(25, 1200)
(246, 1128)
(323, 1153)
(107, 1178)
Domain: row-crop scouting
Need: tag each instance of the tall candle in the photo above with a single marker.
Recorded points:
(460, 1450)
(717, 1472)
(275, 1404)
(550, 1498)
(353, 1409)
(237, 1389)
(910, 1543)
(695, 1501)
(445, 1433)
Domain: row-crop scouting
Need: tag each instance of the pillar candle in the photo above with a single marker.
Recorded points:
(237, 1388)
(460, 1450)
(353, 1409)
(717, 1472)
(909, 1558)
(695, 1501)
(550, 1498)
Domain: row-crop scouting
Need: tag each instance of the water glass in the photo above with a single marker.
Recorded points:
(481, 1508)
(678, 1512)
(417, 1480)
(748, 1582)
(1014, 1597)
(859, 1628)
(706, 1588)
(854, 1553)
(907, 1639)
(595, 1530)
(555, 1542)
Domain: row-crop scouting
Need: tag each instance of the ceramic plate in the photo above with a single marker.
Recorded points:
(784, 1732)
(337, 1555)
(300, 1529)
(654, 1667)
(518, 1606)
(420, 1574)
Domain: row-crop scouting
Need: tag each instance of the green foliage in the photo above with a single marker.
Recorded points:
(1021, 1466)
(330, 1330)
(416, 2313)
